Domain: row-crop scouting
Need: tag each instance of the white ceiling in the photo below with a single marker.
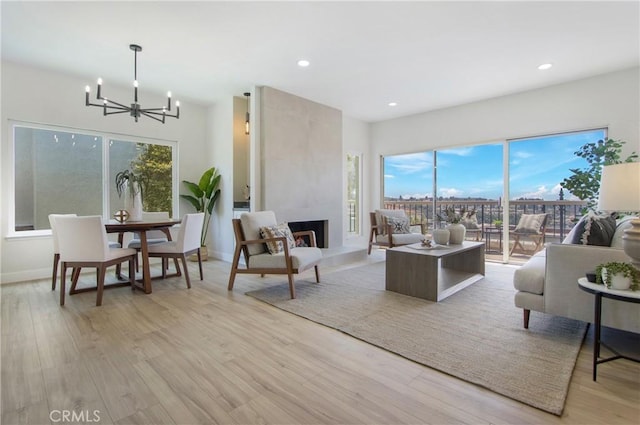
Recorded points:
(422, 55)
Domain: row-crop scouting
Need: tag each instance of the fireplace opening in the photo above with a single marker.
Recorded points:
(318, 226)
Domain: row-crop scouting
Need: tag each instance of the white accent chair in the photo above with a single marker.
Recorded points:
(258, 260)
(383, 234)
(83, 242)
(187, 242)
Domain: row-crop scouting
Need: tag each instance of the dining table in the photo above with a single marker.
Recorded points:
(142, 227)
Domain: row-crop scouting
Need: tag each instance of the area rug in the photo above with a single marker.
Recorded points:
(475, 335)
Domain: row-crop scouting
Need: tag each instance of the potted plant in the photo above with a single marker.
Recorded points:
(585, 183)
(133, 185)
(618, 275)
(203, 198)
(497, 223)
(456, 229)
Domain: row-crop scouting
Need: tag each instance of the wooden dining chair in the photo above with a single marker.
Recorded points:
(83, 242)
(187, 242)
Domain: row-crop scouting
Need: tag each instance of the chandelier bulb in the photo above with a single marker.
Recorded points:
(135, 83)
(99, 81)
(87, 89)
(168, 94)
(178, 103)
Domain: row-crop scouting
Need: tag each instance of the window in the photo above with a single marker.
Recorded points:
(62, 170)
(354, 177)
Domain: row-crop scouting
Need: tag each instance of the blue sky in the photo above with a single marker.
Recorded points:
(537, 167)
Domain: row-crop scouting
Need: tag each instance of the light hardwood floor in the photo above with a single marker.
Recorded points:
(206, 355)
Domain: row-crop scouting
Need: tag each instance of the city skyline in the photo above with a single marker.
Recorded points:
(537, 167)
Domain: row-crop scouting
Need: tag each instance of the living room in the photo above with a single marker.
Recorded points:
(608, 97)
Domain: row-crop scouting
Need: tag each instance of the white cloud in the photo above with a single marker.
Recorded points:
(449, 191)
(389, 176)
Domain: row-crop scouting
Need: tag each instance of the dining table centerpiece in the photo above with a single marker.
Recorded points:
(131, 185)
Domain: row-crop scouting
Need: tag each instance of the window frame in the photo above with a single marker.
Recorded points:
(106, 178)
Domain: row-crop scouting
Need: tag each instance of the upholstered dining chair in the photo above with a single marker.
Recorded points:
(153, 236)
(83, 242)
(56, 248)
(270, 248)
(532, 227)
(391, 228)
(187, 242)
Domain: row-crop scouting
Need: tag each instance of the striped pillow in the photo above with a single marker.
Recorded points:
(530, 223)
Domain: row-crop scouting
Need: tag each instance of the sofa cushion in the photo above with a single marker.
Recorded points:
(530, 276)
(401, 238)
(595, 229)
(277, 231)
(301, 259)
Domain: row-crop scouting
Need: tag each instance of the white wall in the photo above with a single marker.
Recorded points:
(611, 100)
(34, 95)
(355, 140)
(220, 129)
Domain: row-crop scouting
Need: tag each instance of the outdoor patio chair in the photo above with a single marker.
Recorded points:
(391, 228)
(532, 227)
(270, 248)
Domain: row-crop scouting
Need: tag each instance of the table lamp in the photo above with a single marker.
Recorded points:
(620, 191)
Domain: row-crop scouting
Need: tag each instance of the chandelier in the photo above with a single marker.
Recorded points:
(110, 107)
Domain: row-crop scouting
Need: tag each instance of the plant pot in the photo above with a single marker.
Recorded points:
(204, 255)
(440, 236)
(618, 281)
(457, 233)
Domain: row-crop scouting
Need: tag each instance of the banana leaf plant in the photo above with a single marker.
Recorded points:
(203, 197)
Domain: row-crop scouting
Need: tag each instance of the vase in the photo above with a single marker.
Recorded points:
(440, 236)
(618, 281)
(457, 233)
(133, 203)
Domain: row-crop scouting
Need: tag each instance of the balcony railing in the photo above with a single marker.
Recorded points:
(562, 217)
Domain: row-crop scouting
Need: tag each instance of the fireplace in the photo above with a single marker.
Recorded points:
(320, 227)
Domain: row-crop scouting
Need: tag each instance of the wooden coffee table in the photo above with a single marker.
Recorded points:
(434, 274)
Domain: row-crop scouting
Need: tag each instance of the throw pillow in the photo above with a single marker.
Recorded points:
(277, 231)
(399, 224)
(593, 229)
(470, 221)
(530, 223)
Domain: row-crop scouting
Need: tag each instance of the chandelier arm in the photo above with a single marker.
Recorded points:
(111, 103)
(155, 109)
(162, 114)
(116, 112)
(146, 114)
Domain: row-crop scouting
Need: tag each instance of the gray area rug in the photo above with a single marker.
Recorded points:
(475, 335)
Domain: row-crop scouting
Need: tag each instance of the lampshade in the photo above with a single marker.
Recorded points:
(620, 188)
(620, 191)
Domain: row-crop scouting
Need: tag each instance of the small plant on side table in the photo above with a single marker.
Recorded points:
(616, 268)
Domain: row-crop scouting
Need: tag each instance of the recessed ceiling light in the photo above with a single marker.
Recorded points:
(393, 104)
(303, 63)
(545, 66)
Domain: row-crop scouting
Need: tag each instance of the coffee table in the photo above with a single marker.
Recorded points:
(434, 274)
